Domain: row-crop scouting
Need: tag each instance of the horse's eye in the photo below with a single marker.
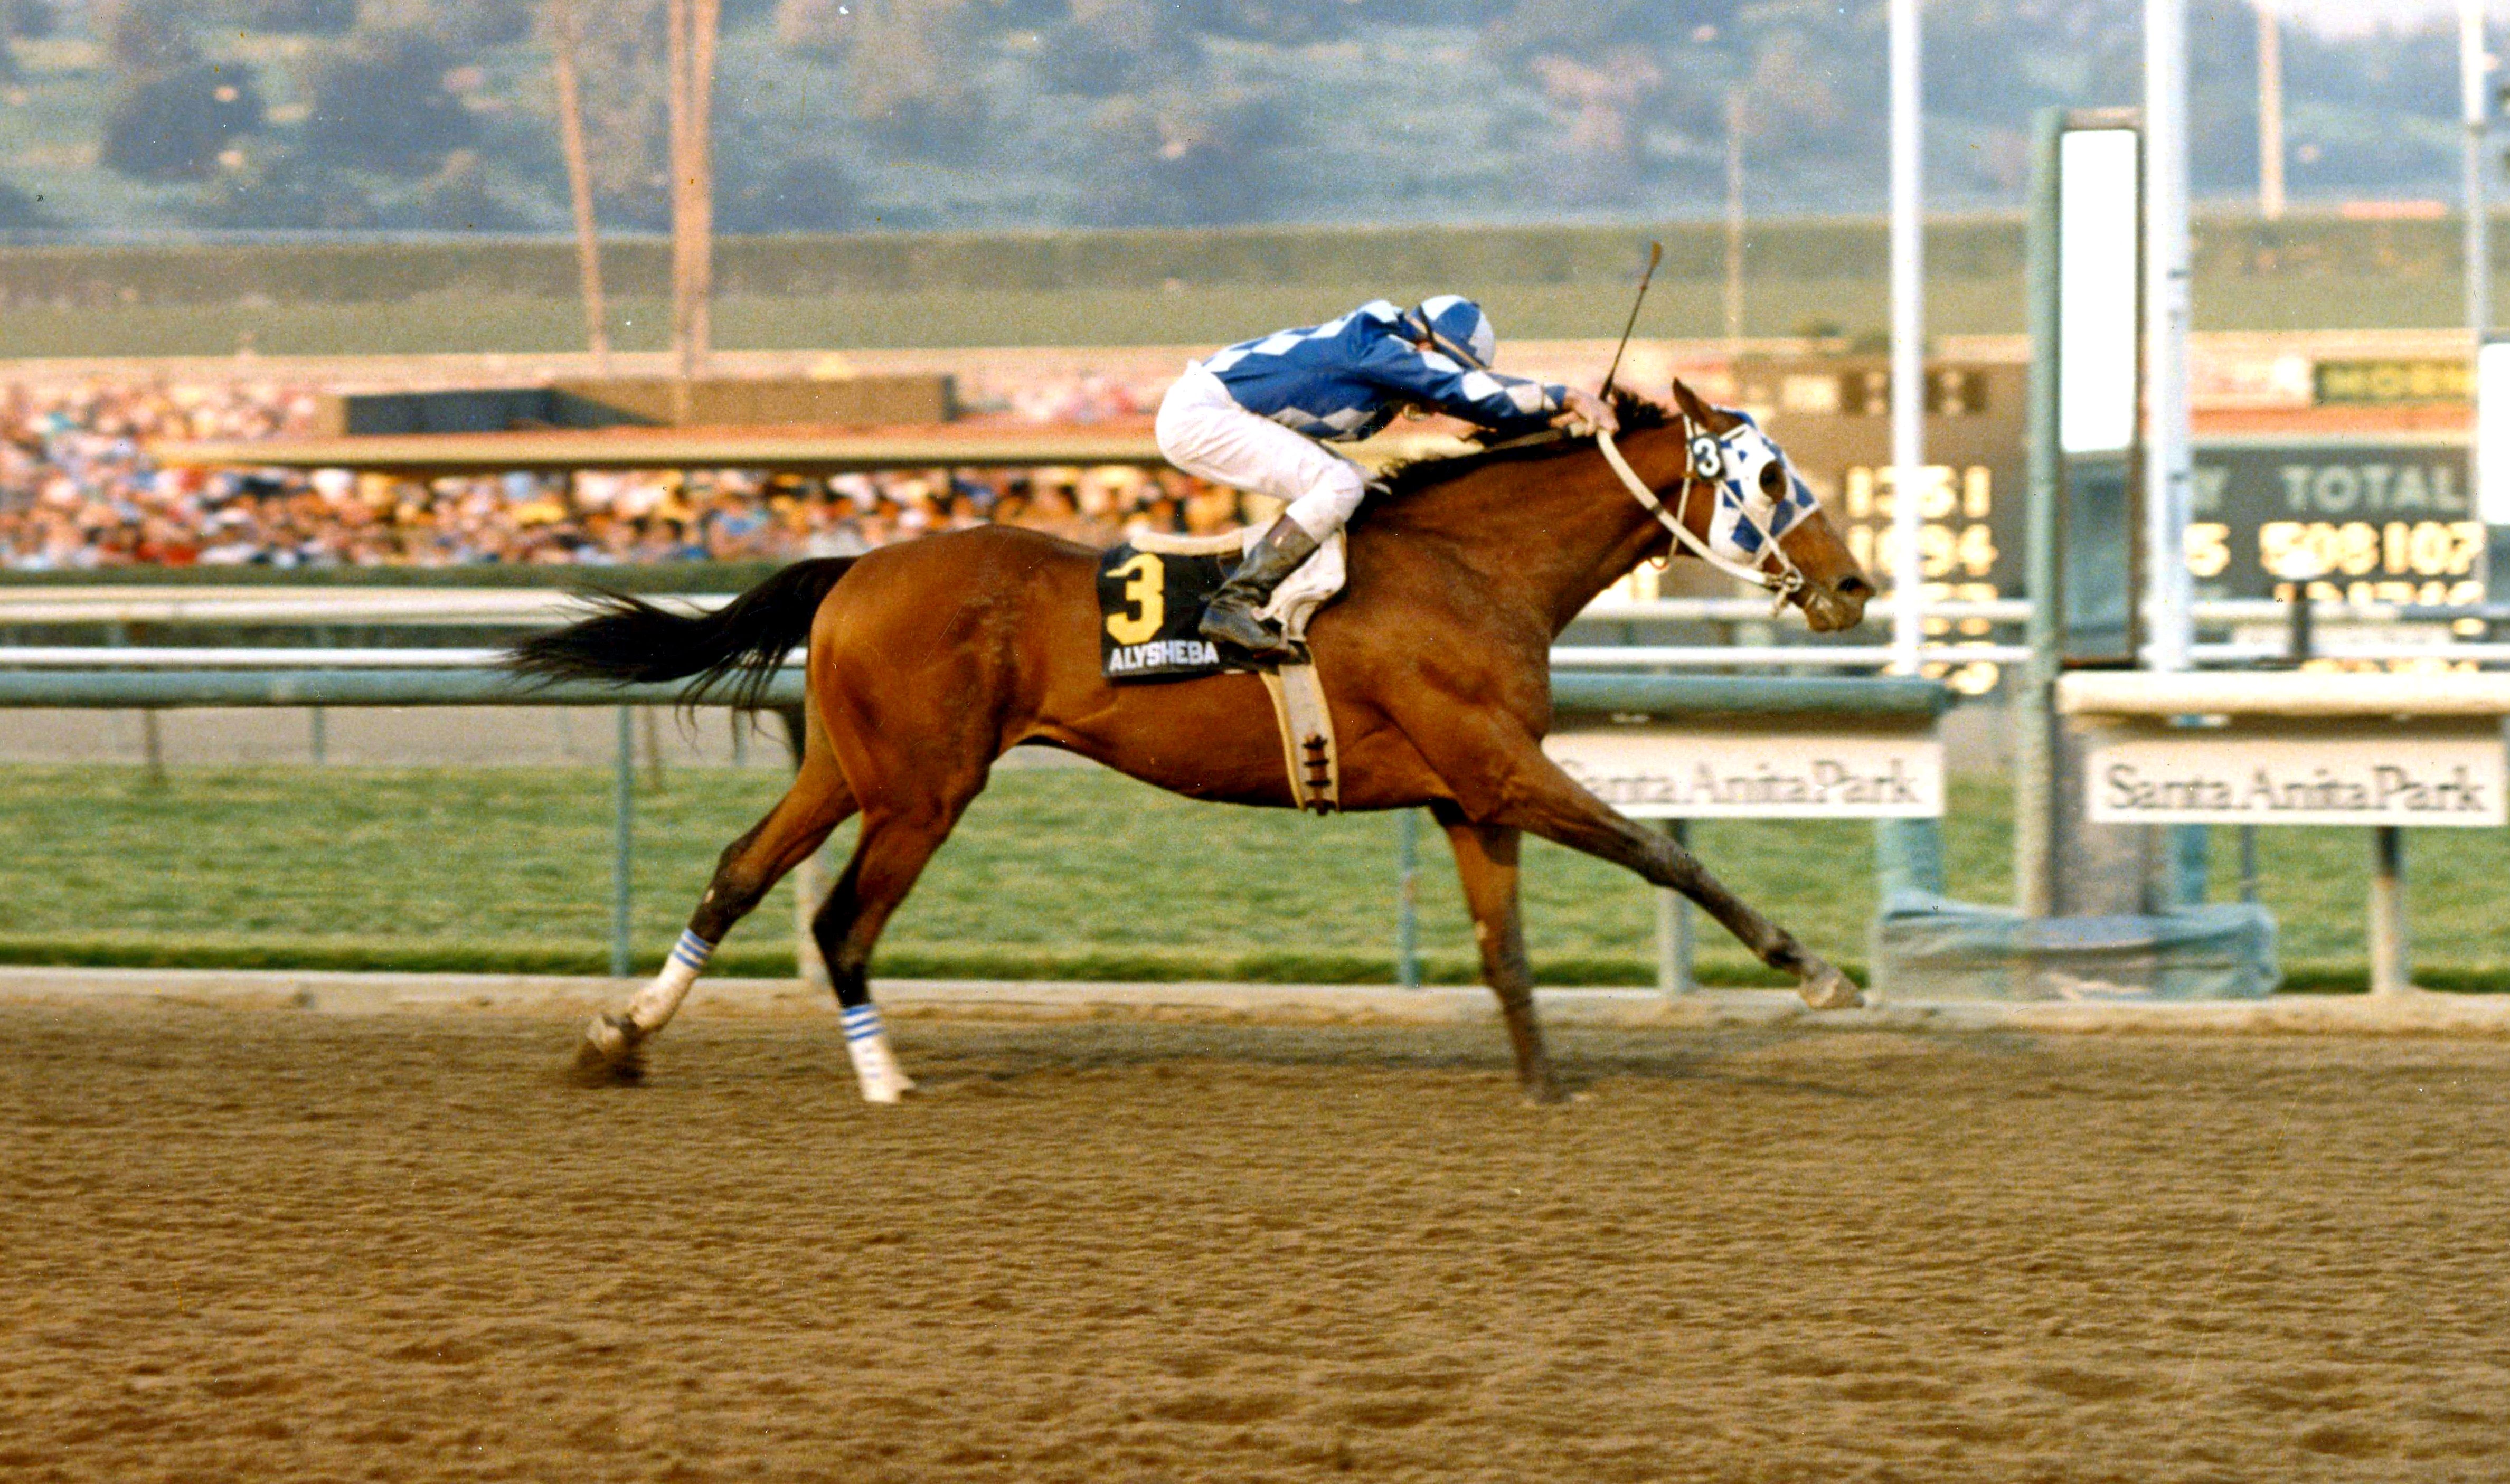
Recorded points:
(1773, 480)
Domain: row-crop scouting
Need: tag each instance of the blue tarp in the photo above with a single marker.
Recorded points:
(1932, 947)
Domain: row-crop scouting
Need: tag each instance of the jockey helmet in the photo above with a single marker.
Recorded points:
(1456, 326)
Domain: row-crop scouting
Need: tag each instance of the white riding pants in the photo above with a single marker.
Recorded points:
(1204, 431)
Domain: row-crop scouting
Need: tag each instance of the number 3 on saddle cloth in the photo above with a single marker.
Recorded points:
(1153, 589)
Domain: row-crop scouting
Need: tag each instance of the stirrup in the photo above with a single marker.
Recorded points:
(1276, 648)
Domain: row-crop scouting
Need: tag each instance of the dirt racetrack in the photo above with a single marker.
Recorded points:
(276, 1246)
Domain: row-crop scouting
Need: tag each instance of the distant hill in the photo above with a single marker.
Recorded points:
(155, 117)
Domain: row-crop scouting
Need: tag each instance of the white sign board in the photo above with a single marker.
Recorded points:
(2099, 216)
(2192, 777)
(1650, 773)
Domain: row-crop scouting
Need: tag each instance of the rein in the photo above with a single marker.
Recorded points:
(1786, 581)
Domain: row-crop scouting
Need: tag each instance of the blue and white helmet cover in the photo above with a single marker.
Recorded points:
(1745, 513)
(1457, 325)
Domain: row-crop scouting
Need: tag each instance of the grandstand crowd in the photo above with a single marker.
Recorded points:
(78, 491)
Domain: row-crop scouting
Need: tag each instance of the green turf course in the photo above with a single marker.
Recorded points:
(1055, 873)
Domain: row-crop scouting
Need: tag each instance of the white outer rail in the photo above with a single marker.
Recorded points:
(128, 603)
(1565, 656)
(1716, 656)
(279, 605)
(171, 657)
(2280, 693)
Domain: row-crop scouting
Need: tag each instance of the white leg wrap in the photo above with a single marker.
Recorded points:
(875, 1065)
(653, 1006)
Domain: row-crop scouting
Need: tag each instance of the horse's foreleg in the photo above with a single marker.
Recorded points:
(887, 859)
(1535, 796)
(1486, 863)
(750, 867)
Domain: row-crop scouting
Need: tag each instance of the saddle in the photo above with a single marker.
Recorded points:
(1153, 591)
(1151, 594)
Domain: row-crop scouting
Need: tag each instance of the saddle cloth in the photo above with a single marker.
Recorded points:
(1153, 591)
(1151, 594)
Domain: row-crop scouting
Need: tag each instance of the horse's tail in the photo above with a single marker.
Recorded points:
(740, 644)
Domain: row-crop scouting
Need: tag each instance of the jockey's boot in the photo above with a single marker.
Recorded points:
(1230, 619)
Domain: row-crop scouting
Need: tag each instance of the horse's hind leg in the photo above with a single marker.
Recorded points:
(1486, 861)
(895, 844)
(800, 822)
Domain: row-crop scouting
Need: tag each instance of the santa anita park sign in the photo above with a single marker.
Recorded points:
(2439, 775)
(1671, 773)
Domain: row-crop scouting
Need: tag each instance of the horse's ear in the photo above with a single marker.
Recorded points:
(1700, 412)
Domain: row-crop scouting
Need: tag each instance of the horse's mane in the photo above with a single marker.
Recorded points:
(1414, 476)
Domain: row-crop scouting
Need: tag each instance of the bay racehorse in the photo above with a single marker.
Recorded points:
(929, 659)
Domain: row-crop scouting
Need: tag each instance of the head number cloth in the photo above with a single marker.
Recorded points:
(1745, 527)
(1748, 519)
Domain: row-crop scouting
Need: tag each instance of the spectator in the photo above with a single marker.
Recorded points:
(79, 492)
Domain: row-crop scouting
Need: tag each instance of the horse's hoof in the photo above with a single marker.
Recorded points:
(610, 1053)
(876, 1070)
(1829, 989)
(892, 1089)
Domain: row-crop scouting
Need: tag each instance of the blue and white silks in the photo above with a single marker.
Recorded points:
(1346, 378)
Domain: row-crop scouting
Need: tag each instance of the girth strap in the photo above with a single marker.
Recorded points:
(1307, 744)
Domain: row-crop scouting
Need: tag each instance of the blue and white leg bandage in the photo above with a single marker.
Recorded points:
(867, 1048)
(656, 1002)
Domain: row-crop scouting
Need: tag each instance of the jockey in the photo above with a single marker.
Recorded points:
(1250, 417)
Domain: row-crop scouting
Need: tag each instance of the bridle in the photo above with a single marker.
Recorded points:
(1706, 465)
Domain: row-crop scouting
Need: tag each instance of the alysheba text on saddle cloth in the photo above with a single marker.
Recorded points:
(1149, 605)
(1161, 658)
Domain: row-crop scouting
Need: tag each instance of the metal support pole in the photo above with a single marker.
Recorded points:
(2036, 827)
(2475, 200)
(2478, 207)
(2190, 857)
(1407, 898)
(2391, 954)
(2269, 111)
(1908, 338)
(318, 735)
(152, 747)
(2169, 482)
(621, 846)
(1734, 120)
(1909, 857)
(2248, 862)
(810, 890)
(1676, 952)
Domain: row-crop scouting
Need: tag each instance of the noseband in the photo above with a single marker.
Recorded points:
(1702, 447)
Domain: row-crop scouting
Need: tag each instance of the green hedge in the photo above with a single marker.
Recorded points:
(1984, 246)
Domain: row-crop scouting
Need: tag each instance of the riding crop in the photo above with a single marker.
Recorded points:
(1655, 254)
